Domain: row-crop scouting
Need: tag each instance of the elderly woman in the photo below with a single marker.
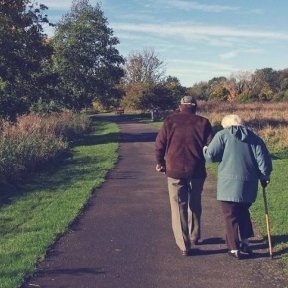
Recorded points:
(243, 160)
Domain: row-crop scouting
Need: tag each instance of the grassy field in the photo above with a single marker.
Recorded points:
(42, 209)
(270, 121)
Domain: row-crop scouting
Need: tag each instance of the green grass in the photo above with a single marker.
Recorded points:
(277, 207)
(40, 211)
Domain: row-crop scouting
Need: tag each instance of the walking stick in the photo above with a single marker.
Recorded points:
(267, 222)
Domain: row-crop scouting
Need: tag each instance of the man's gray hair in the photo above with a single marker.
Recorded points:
(231, 120)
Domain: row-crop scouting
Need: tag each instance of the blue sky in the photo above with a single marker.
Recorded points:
(198, 40)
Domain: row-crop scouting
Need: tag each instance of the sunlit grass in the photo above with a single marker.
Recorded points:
(277, 207)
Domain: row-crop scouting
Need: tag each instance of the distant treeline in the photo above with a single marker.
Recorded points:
(263, 85)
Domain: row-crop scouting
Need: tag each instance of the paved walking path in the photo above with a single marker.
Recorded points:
(124, 237)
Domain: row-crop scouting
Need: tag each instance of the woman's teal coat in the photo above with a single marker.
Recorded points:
(243, 158)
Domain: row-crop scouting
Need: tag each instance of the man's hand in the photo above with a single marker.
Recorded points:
(160, 168)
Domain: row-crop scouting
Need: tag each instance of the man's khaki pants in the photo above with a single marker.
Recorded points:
(186, 209)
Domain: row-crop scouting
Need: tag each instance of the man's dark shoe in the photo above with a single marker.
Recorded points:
(235, 254)
(195, 242)
(245, 248)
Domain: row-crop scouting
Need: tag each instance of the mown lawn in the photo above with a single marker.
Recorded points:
(277, 208)
(42, 209)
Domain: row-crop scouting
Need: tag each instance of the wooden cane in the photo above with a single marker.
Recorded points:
(267, 223)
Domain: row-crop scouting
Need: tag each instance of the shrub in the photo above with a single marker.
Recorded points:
(42, 107)
(32, 141)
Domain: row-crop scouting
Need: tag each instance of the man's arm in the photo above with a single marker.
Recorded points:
(160, 147)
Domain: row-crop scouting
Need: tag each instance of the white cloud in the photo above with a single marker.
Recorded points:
(198, 71)
(229, 55)
(57, 4)
(234, 53)
(192, 31)
(63, 4)
(256, 11)
(193, 5)
(205, 64)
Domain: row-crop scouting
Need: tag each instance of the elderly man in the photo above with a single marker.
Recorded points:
(179, 145)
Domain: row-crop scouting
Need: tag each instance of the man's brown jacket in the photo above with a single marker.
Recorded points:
(180, 142)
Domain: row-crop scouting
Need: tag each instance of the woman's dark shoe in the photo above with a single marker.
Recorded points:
(186, 252)
(245, 248)
(235, 254)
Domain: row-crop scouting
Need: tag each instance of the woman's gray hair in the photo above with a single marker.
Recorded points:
(231, 120)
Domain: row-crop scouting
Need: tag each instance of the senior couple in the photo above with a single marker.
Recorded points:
(182, 145)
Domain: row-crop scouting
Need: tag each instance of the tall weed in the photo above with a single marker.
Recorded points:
(32, 141)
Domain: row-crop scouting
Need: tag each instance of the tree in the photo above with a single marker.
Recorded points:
(269, 76)
(145, 97)
(160, 97)
(265, 83)
(232, 89)
(144, 67)
(218, 91)
(24, 53)
(175, 90)
(145, 85)
(200, 90)
(85, 57)
(133, 94)
(283, 79)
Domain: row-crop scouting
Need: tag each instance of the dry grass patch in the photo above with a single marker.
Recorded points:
(269, 120)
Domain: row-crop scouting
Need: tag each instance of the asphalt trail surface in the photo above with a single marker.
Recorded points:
(124, 239)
